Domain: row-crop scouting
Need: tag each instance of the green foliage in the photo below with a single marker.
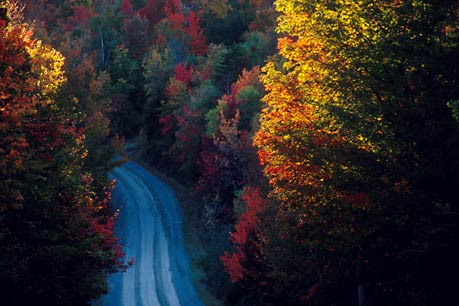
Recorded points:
(212, 118)
(157, 69)
(127, 93)
(205, 97)
(454, 105)
(118, 95)
(249, 108)
(57, 246)
(358, 145)
(238, 204)
(229, 28)
(105, 33)
(217, 57)
(257, 46)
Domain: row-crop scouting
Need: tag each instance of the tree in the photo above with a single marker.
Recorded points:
(347, 158)
(157, 70)
(247, 261)
(197, 41)
(136, 36)
(152, 11)
(105, 33)
(57, 246)
(126, 7)
(127, 94)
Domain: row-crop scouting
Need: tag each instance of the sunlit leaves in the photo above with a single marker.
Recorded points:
(53, 235)
(47, 63)
(340, 139)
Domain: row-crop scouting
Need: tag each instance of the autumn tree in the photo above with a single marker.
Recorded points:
(157, 69)
(105, 32)
(197, 41)
(126, 93)
(246, 262)
(227, 155)
(57, 246)
(152, 11)
(358, 144)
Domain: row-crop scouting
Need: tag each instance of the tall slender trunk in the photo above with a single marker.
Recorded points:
(102, 48)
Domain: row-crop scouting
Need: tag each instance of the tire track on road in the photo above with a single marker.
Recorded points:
(149, 224)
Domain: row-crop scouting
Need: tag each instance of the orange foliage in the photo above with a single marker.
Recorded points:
(245, 238)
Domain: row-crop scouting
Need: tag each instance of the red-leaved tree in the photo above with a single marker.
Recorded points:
(246, 260)
(54, 237)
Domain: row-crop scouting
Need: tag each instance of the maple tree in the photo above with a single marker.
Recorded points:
(197, 41)
(226, 157)
(357, 137)
(223, 166)
(246, 261)
(145, 68)
(57, 245)
(343, 148)
(81, 18)
(152, 11)
(126, 7)
(136, 36)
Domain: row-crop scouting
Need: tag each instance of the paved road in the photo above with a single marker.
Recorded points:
(150, 226)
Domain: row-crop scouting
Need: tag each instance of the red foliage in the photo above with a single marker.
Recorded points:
(126, 7)
(151, 11)
(247, 78)
(167, 123)
(47, 137)
(312, 295)
(161, 40)
(238, 264)
(187, 29)
(104, 229)
(210, 168)
(42, 180)
(357, 200)
(248, 221)
(188, 136)
(80, 18)
(16, 96)
(184, 73)
(186, 133)
(233, 265)
(177, 22)
(82, 15)
(172, 7)
(231, 107)
(197, 43)
(49, 14)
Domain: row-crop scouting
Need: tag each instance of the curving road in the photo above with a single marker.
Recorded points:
(150, 228)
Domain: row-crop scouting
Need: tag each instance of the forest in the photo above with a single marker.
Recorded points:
(317, 141)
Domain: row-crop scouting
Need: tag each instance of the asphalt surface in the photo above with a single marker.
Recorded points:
(150, 227)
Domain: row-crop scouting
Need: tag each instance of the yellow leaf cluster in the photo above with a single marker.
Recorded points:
(47, 64)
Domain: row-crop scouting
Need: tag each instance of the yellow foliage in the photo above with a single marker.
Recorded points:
(218, 7)
(47, 63)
